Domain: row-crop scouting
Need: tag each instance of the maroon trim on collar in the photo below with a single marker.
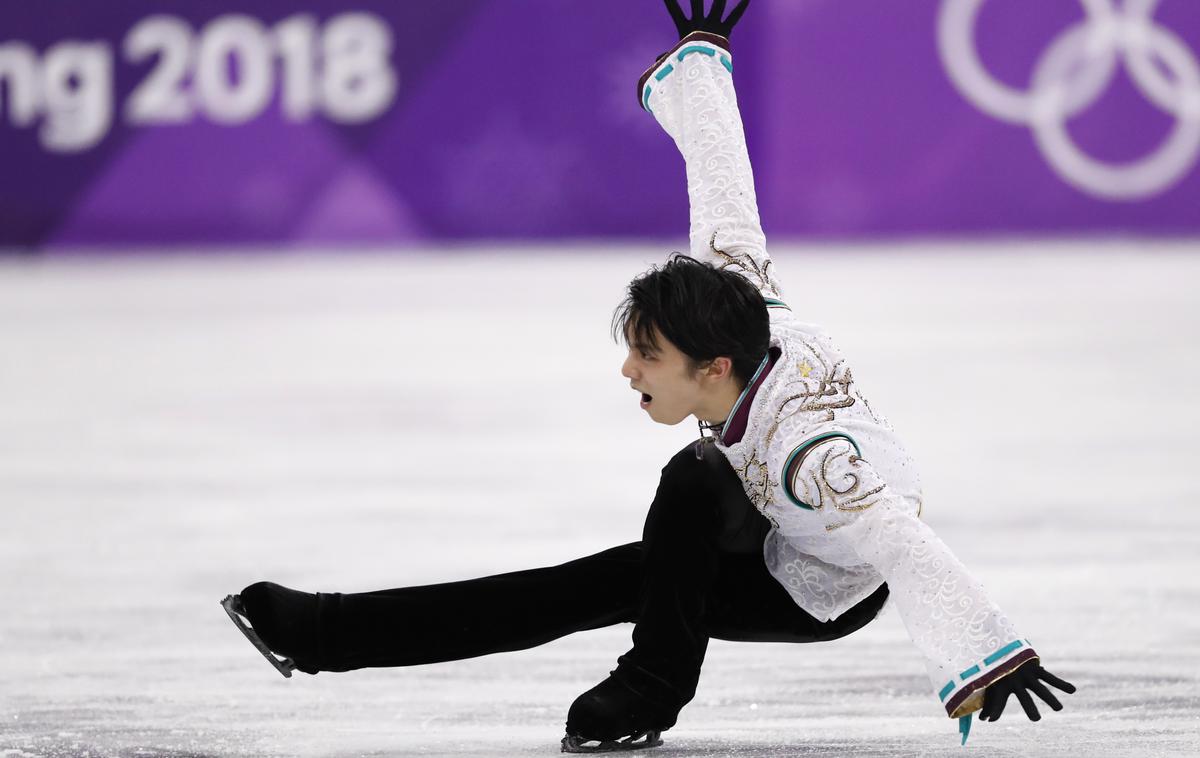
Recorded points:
(736, 428)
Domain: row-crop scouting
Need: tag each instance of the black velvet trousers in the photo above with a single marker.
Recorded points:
(698, 572)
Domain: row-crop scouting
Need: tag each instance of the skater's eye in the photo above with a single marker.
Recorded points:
(644, 350)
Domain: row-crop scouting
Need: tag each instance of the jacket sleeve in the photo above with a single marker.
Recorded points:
(966, 640)
(690, 92)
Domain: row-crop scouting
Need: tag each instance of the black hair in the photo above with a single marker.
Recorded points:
(704, 311)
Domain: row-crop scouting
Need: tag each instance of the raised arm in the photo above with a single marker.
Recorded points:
(689, 90)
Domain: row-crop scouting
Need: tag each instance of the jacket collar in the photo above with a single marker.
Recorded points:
(734, 427)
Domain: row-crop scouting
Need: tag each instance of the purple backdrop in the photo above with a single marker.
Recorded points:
(287, 122)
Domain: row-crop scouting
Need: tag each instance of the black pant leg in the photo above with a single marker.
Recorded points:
(747, 604)
(682, 556)
(513, 611)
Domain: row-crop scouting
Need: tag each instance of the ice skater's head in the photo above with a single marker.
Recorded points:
(695, 334)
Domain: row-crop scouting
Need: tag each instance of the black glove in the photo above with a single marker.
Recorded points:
(1025, 677)
(701, 23)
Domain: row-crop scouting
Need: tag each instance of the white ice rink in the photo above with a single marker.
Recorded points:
(174, 429)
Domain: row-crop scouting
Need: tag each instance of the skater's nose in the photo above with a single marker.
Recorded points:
(627, 368)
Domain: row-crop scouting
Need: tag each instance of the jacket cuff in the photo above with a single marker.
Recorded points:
(662, 61)
(966, 696)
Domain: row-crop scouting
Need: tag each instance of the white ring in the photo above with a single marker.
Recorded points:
(1162, 168)
(956, 43)
(1071, 75)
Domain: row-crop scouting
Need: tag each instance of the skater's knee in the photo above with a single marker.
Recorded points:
(697, 486)
(685, 468)
(857, 617)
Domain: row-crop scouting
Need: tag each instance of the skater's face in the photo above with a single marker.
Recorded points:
(671, 388)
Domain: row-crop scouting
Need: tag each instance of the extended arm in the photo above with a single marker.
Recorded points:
(690, 92)
(973, 654)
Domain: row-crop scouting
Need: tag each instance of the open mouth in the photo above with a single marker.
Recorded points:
(645, 400)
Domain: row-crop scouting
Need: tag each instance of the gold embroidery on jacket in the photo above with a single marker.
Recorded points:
(824, 394)
(749, 267)
(755, 473)
(848, 498)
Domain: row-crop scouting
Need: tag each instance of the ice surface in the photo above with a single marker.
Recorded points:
(172, 430)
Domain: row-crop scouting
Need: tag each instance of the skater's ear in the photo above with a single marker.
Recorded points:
(717, 370)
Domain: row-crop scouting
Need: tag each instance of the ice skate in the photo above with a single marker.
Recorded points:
(575, 744)
(627, 711)
(237, 614)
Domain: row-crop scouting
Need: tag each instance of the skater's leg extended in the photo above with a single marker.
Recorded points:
(451, 621)
(513, 611)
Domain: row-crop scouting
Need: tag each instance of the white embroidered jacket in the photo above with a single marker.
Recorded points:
(830, 474)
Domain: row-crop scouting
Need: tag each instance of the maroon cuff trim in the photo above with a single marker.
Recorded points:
(1004, 670)
(714, 39)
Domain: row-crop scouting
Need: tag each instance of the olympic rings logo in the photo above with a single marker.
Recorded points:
(1071, 75)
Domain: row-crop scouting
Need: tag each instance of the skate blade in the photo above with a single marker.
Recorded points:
(574, 744)
(233, 606)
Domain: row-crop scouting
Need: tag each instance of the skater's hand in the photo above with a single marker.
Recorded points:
(711, 23)
(1026, 677)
